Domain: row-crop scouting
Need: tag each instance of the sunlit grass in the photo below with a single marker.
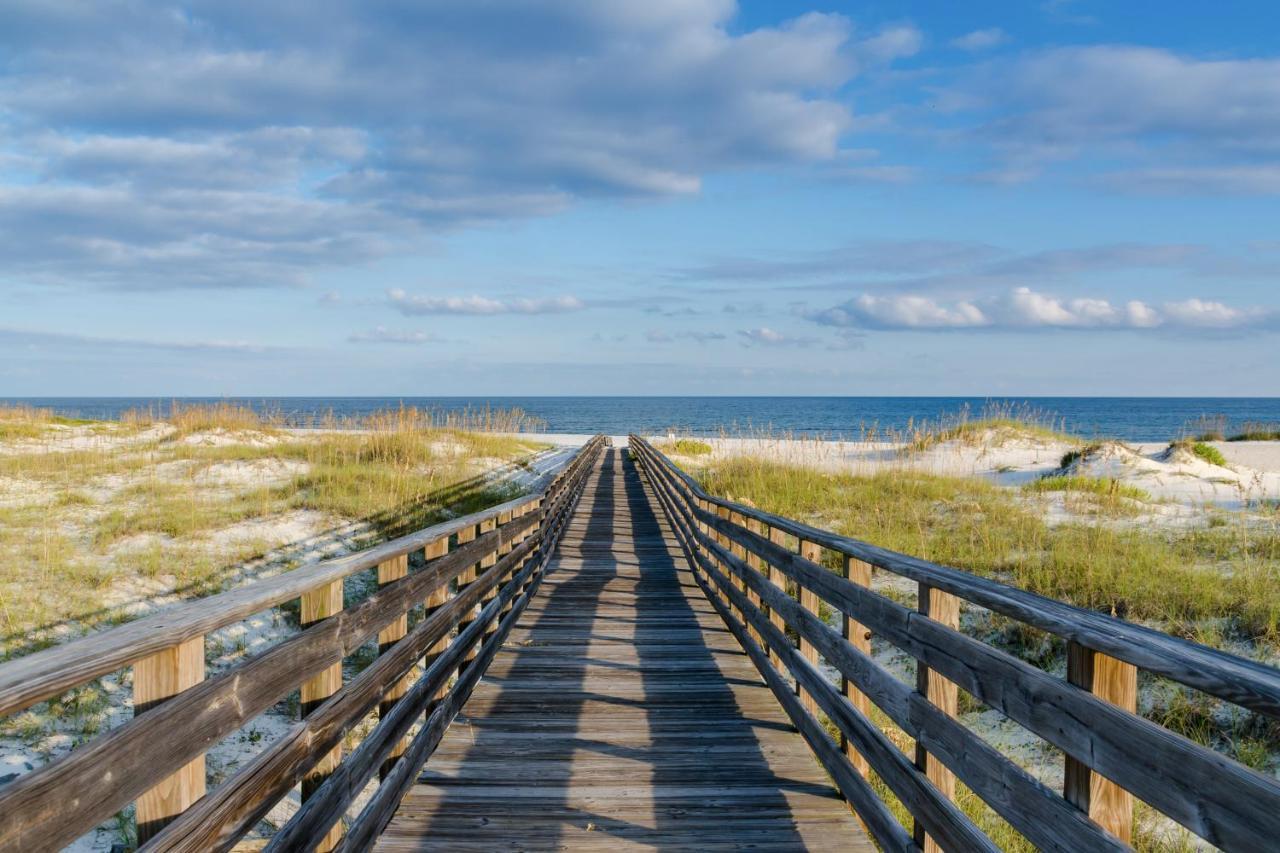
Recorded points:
(1230, 573)
(101, 519)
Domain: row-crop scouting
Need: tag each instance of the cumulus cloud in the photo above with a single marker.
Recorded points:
(981, 39)
(367, 124)
(1024, 308)
(383, 335)
(411, 305)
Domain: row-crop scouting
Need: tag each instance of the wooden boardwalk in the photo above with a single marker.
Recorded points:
(621, 714)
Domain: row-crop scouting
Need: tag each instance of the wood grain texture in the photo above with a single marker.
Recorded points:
(1114, 681)
(857, 635)
(156, 679)
(391, 571)
(943, 608)
(319, 604)
(620, 714)
(1247, 683)
(1217, 798)
(809, 601)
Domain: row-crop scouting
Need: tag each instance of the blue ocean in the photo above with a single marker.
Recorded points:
(1127, 418)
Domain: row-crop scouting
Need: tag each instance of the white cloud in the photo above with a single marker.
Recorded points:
(767, 337)
(383, 335)
(385, 123)
(1212, 125)
(981, 39)
(891, 43)
(410, 305)
(1024, 308)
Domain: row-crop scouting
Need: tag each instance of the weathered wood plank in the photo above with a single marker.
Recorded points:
(1114, 681)
(155, 680)
(1208, 793)
(1247, 683)
(621, 688)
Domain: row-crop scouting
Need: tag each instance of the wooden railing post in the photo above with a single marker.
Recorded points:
(320, 603)
(155, 679)
(436, 599)
(757, 563)
(492, 559)
(388, 572)
(809, 601)
(465, 578)
(1105, 802)
(776, 578)
(859, 637)
(945, 608)
(538, 530)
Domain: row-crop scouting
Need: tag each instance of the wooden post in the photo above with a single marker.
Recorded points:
(436, 599)
(757, 564)
(321, 603)
(465, 578)
(776, 578)
(507, 547)
(1105, 802)
(809, 601)
(388, 572)
(723, 542)
(488, 561)
(155, 679)
(945, 608)
(859, 637)
(537, 530)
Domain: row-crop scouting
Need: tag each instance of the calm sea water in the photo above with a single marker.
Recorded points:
(1129, 418)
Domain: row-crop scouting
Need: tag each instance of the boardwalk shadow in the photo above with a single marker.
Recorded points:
(609, 720)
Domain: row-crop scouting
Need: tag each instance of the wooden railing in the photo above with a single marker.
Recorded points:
(479, 573)
(765, 574)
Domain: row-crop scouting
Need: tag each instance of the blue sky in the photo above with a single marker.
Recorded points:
(668, 197)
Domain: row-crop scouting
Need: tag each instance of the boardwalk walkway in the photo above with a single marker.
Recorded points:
(621, 715)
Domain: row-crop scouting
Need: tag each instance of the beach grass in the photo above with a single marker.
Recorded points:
(686, 447)
(1230, 574)
(994, 425)
(1102, 487)
(156, 508)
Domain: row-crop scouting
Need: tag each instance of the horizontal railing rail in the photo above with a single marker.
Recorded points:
(478, 575)
(766, 576)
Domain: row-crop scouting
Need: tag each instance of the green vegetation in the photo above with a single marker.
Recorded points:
(1229, 573)
(1217, 428)
(685, 447)
(1104, 487)
(24, 422)
(90, 531)
(1257, 432)
(997, 424)
(1207, 452)
(1217, 586)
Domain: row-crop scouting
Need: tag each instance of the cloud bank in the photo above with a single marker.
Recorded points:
(1026, 309)
(411, 305)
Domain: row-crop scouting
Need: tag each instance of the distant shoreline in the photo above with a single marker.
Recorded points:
(1149, 419)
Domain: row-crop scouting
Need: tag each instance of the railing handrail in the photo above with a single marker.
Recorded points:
(159, 754)
(1249, 684)
(50, 672)
(745, 565)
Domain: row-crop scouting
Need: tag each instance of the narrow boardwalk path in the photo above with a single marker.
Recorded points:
(621, 715)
